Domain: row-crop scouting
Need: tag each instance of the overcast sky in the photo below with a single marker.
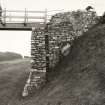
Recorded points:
(53, 4)
(20, 41)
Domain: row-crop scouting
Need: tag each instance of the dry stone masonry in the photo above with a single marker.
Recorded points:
(38, 63)
(62, 29)
(59, 35)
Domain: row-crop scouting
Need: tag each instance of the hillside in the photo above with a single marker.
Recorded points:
(6, 56)
(80, 78)
(13, 76)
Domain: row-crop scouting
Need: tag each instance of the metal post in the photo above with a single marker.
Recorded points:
(0, 14)
(4, 17)
(10, 17)
(45, 20)
(25, 17)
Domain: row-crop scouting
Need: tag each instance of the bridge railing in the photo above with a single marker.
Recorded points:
(23, 16)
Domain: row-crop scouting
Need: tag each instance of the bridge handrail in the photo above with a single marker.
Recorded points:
(29, 17)
(4, 15)
(22, 11)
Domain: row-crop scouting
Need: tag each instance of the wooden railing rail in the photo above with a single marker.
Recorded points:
(25, 15)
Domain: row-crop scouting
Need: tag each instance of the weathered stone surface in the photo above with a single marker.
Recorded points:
(62, 29)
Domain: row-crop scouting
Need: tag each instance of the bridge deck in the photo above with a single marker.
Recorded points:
(20, 26)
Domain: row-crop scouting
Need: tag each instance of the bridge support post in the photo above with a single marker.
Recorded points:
(4, 17)
(45, 20)
(25, 17)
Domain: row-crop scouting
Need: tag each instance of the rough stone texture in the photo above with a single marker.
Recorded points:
(80, 20)
(38, 50)
(38, 63)
(59, 35)
(38, 55)
(63, 28)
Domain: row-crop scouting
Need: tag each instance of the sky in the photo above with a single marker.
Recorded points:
(20, 41)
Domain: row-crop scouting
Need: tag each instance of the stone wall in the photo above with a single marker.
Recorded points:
(81, 20)
(62, 29)
(38, 53)
(37, 75)
(59, 35)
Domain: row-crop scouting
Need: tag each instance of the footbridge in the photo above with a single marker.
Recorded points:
(22, 19)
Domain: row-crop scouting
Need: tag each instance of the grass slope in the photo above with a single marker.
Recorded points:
(78, 80)
(13, 76)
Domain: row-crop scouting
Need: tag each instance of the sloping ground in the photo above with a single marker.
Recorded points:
(13, 75)
(80, 78)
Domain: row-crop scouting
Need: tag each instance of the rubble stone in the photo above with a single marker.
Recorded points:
(63, 28)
